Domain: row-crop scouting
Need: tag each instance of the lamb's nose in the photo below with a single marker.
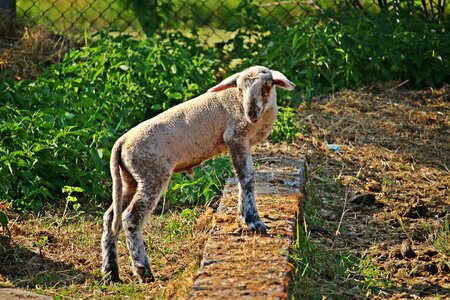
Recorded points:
(253, 114)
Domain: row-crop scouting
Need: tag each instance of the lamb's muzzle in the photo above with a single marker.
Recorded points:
(232, 116)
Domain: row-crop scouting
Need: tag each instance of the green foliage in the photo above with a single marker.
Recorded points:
(347, 50)
(35, 155)
(193, 16)
(286, 127)
(206, 183)
(58, 130)
(181, 224)
(149, 13)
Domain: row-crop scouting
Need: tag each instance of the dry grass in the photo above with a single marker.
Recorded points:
(65, 260)
(26, 49)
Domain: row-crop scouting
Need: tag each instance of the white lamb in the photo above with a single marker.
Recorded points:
(232, 116)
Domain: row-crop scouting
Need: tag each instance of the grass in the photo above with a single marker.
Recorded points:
(320, 272)
(62, 259)
(439, 236)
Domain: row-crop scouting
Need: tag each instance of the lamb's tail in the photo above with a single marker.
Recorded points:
(117, 204)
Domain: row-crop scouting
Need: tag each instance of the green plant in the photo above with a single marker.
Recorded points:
(58, 130)
(181, 224)
(42, 243)
(70, 190)
(286, 127)
(440, 236)
(349, 48)
(206, 183)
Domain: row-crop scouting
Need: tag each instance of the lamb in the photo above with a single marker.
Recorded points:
(232, 116)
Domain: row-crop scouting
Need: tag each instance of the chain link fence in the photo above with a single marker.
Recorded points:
(214, 19)
(211, 18)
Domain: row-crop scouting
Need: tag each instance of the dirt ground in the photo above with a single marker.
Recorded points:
(379, 162)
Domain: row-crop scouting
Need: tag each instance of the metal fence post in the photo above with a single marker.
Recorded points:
(8, 7)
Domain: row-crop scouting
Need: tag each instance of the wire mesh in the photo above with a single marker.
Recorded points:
(213, 18)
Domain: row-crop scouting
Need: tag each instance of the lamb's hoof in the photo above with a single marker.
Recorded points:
(113, 277)
(149, 280)
(258, 227)
(145, 275)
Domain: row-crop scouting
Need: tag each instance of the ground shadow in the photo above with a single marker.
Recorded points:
(27, 269)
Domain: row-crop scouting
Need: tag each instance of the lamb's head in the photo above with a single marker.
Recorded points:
(257, 88)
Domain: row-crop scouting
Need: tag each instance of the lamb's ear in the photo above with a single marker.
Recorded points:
(225, 84)
(281, 80)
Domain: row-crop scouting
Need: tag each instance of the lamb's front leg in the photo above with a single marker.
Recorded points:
(243, 164)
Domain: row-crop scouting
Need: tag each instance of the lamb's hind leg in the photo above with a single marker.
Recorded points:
(133, 219)
(110, 265)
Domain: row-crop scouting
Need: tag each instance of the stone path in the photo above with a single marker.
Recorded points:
(242, 265)
(15, 294)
